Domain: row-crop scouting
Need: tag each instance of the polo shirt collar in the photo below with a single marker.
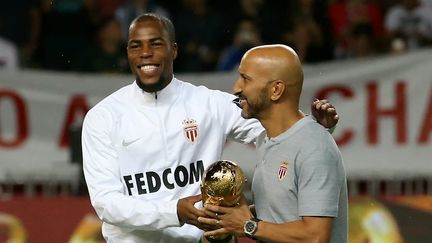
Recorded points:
(290, 131)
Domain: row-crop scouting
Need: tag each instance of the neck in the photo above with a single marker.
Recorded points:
(156, 87)
(280, 119)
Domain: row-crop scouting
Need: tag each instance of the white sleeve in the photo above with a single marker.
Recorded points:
(235, 126)
(104, 182)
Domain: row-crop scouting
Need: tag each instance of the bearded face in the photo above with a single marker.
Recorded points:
(254, 103)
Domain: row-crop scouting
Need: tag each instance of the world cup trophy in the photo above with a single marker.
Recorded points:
(222, 185)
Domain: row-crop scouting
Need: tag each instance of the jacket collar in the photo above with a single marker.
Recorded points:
(166, 95)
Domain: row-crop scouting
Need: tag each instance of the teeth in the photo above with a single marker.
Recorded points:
(148, 67)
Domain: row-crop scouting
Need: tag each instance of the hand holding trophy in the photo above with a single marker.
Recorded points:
(222, 185)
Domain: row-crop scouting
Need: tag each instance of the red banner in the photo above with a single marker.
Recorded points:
(72, 219)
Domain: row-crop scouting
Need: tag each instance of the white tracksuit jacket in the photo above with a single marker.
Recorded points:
(144, 151)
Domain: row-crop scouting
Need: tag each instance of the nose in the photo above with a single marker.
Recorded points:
(236, 90)
(146, 51)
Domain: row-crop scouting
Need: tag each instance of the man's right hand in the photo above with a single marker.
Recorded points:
(325, 113)
(188, 213)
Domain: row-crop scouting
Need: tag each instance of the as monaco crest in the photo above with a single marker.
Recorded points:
(190, 129)
(283, 168)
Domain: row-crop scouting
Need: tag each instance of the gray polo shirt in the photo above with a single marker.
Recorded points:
(301, 173)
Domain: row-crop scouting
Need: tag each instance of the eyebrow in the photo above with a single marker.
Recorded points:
(133, 41)
(245, 75)
(151, 40)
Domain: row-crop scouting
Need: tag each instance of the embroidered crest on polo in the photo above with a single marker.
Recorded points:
(282, 170)
(190, 130)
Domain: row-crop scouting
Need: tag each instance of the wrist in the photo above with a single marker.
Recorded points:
(250, 227)
(180, 219)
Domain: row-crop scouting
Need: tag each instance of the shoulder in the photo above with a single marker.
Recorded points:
(204, 93)
(314, 138)
(111, 105)
(309, 126)
(314, 147)
(117, 98)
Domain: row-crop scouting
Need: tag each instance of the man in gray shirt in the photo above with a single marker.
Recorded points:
(299, 184)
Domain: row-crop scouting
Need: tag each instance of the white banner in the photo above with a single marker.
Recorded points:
(385, 105)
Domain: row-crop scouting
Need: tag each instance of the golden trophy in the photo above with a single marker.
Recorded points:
(222, 184)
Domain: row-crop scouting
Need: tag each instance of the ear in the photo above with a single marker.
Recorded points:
(277, 90)
(174, 49)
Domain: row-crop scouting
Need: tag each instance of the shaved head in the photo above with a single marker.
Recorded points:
(277, 62)
(269, 86)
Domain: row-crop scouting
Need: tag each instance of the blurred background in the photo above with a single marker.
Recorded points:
(371, 58)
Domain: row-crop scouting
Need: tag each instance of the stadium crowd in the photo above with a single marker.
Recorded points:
(90, 35)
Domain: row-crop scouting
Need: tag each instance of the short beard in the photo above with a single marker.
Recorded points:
(259, 106)
(151, 88)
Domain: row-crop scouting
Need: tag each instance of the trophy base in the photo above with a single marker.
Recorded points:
(228, 239)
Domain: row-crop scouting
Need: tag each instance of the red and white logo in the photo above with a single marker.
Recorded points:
(283, 168)
(190, 129)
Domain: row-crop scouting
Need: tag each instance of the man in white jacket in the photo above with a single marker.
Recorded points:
(146, 146)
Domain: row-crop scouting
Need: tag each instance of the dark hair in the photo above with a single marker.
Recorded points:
(165, 22)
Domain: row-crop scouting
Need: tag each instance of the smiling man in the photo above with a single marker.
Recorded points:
(145, 146)
(151, 53)
(299, 185)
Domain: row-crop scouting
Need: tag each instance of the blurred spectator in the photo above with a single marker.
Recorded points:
(236, 12)
(267, 16)
(199, 33)
(409, 24)
(51, 34)
(246, 36)
(67, 28)
(107, 54)
(8, 56)
(272, 15)
(346, 14)
(426, 3)
(20, 24)
(132, 9)
(361, 41)
(306, 31)
(108, 7)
